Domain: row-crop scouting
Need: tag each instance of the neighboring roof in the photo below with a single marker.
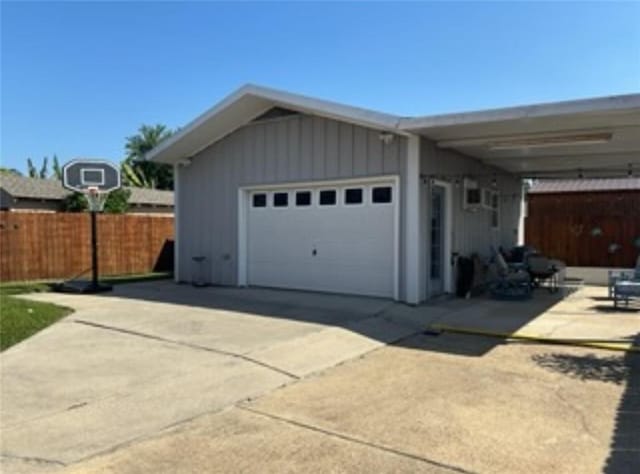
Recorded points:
(51, 189)
(156, 197)
(584, 185)
(21, 187)
(600, 134)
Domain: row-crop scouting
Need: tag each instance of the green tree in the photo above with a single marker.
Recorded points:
(117, 201)
(32, 171)
(75, 202)
(139, 172)
(4, 170)
(56, 168)
(43, 172)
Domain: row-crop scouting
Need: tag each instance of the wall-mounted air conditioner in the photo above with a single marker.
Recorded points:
(472, 199)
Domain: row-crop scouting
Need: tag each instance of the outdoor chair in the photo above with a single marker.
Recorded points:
(510, 284)
(542, 269)
(625, 285)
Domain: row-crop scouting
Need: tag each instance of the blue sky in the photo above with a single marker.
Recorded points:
(77, 78)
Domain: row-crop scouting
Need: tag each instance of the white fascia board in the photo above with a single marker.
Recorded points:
(271, 98)
(582, 106)
(412, 216)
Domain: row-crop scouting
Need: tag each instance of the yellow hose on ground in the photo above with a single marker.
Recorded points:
(611, 345)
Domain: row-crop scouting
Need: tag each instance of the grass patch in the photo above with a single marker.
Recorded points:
(23, 287)
(20, 318)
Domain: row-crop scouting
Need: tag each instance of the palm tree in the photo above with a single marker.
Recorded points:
(136, 169)
(43, 172)
(56, 169)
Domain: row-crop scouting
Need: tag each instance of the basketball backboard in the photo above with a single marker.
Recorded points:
(80, 175)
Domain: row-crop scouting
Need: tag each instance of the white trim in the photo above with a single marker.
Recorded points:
(245, 191)
(243, 203)
(83, 180)
(412, 218)
(552, 109)
(447, 277)
(330, 183)
(176, 223)
(523, 205)
(395, 198)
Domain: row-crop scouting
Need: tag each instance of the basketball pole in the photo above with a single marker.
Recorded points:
(94, 250)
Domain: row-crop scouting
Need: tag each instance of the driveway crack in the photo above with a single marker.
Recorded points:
(33, 459)
(351, 439)
(189, 345)
(577, 411)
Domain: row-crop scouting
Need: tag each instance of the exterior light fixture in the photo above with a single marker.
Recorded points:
(552, 141)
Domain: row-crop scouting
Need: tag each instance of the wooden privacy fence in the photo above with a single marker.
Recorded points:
(37, 246)
(598, 229)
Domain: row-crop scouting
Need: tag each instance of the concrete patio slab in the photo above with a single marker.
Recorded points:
(518, 408)
(114, 375)
(586, 313)
(240, 441)
(75, 390)
(128, 364)
(320, 350)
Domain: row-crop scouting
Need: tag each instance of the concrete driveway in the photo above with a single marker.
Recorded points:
(128, 364)
(171, 387)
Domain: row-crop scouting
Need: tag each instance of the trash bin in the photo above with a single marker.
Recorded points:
(198, 278)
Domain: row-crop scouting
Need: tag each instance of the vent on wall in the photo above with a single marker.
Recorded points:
(274, 112)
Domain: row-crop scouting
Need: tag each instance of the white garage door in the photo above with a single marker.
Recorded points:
(324, 238)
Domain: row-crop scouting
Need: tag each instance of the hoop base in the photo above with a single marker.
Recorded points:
(82, 287)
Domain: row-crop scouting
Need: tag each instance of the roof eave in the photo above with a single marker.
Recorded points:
(249, 101)
(593, 105)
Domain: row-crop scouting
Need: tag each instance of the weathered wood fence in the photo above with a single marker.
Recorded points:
(598, 229)
(57, 245)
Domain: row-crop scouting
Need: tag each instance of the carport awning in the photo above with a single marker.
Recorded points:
(594, 137)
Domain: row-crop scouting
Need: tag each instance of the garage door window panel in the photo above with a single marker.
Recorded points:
(259, 200)
(303, 198)
(327, 197)
(381, 195)
(280, 199)
(353, 196)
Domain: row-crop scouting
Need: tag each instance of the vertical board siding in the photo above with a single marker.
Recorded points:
(563, 226)
(57, 245)
(290, 149)
(472, 232)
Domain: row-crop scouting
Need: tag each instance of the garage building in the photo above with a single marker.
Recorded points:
(280, 190)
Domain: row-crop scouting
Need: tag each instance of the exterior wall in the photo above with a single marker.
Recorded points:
(472, 231)
(284, 150)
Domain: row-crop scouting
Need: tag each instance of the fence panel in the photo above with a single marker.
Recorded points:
(586, 229)
(37, 245)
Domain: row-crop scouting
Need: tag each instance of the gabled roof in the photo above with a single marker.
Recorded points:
(601, 134)
(249, 102)
(584, 185)
(22, 187)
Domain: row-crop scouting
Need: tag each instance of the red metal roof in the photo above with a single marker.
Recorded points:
(584, 185)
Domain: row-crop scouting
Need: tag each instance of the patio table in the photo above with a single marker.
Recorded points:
(625, 290)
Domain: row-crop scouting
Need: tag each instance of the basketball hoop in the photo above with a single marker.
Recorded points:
(95, 198)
